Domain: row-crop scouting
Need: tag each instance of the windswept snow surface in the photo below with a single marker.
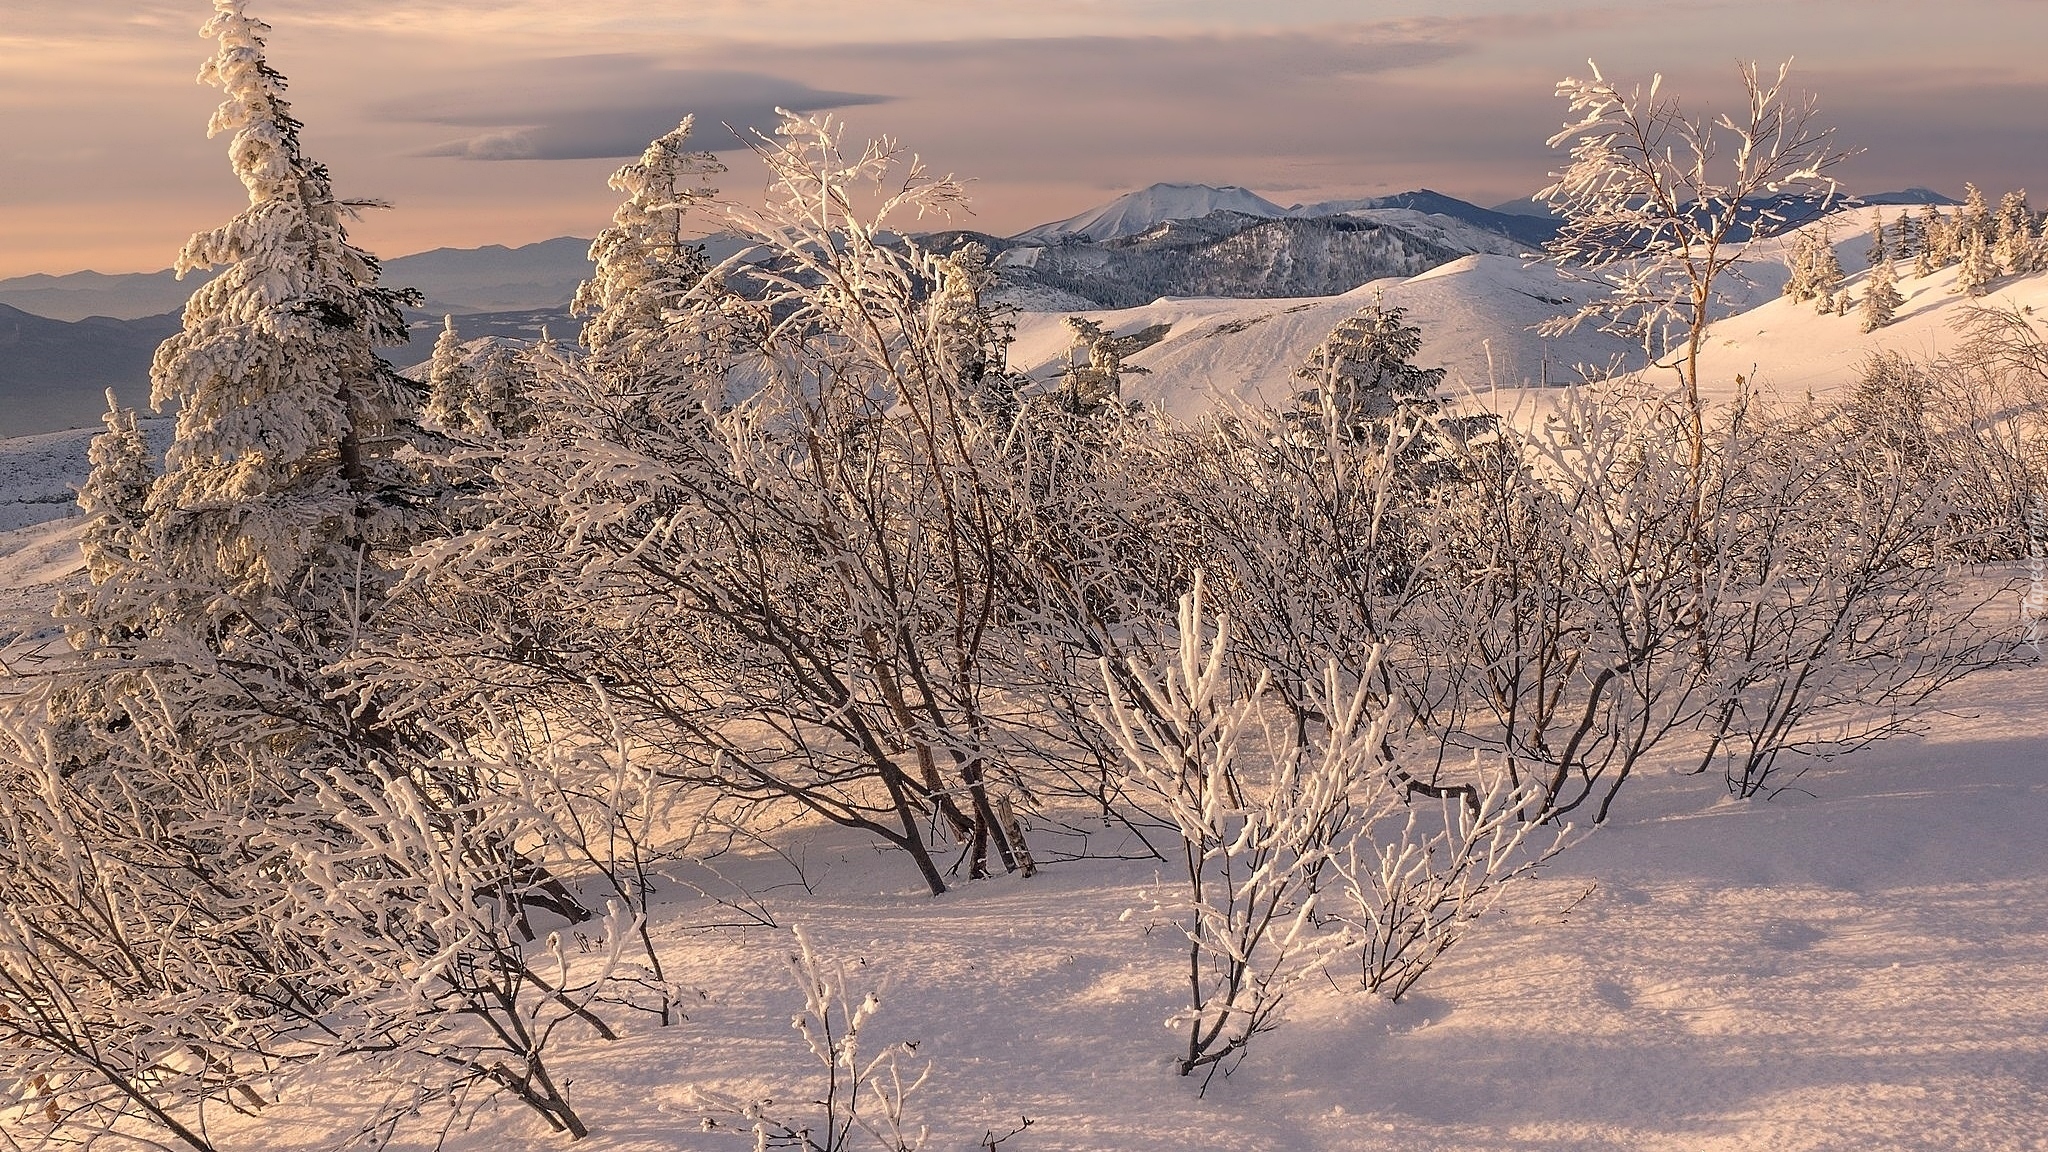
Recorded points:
(1858, 965)
(36, 563)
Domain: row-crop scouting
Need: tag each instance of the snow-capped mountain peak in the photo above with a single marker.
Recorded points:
(1135, 212)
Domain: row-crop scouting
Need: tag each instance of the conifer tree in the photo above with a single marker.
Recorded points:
(1799, 286)
(1877, 253)
(963, 328)
(1364, 371)
(115, 495)
(1825, 277)
(2013, 234)
(448, 380)
(499, 402)
(1908, 242)
(646, 264)
(1976, 269)
(1973, 218)
(1881, 297)
(1937, 242)
(279, 474)
(1095, 371)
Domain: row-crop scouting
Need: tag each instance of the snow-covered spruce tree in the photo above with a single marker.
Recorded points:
(115, 495)
(1094, 376)
(1972, 219)
(1879, 249)
(482, 391)
(2012, 244)
(963, 323)
(1364, 373)
(647, 263)
(114, 500)
(1824, 272)
(1799, 285)
(1881, 297)
(1937, 243)
(280, 477)
(1908, 240)
(1976, 269)
(448, 380)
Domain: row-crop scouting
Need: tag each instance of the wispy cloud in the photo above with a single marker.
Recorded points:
(598, 107)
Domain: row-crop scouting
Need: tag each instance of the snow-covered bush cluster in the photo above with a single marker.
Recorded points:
(385, 709)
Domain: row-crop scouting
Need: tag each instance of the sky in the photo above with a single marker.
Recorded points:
(498, 121)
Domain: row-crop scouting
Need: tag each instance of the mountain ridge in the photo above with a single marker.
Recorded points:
(462, 281)
(1134, 213)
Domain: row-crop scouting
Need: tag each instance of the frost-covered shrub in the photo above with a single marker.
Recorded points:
(417, 916)
(861, 1098)
(783, 552)
(1257, 825)
(1415, 879)
(1295, 849)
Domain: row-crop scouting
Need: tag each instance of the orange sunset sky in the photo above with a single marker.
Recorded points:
(496, 121)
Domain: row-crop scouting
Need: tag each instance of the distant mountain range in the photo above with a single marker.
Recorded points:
(65, 339)
(1197, 240)
(1221, 254)
(1138, 212)
(55, 373)
(461, 281)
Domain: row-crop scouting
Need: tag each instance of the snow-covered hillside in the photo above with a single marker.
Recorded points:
(1792, 348)
(1477, 316)
(40, 475)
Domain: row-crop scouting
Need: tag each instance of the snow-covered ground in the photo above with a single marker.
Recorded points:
(40, 475)
(1859, 965)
